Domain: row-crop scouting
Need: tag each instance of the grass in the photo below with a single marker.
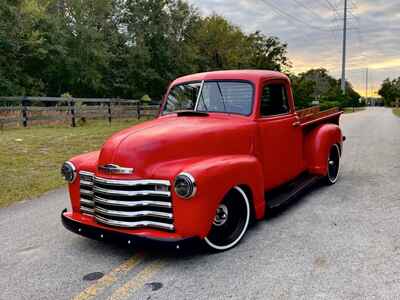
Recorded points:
(30, 158)
(348, 110)
(396, 111)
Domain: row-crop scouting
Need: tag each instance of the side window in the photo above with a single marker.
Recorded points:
(274, 100)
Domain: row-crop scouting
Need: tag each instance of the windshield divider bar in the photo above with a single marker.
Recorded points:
(199, 95)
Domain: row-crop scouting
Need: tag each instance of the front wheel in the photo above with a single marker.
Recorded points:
(230, 222)
(333, 165)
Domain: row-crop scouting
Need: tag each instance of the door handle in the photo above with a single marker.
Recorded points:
(296, 124)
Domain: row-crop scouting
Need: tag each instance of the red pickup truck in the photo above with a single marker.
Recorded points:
(225, 146)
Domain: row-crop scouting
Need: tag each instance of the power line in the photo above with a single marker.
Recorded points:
(293, 18)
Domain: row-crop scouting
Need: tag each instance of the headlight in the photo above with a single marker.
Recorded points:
(185, 185)
(68, 171)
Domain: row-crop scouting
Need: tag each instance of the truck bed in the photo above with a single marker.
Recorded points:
(314, 116)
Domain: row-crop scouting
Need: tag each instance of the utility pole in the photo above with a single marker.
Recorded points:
(366, 86)
(344, 48)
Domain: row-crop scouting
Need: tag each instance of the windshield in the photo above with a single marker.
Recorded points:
(211, 96)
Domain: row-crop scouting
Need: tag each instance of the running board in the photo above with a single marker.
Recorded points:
(289, 191)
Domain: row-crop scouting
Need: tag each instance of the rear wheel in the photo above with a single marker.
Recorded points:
(230, 222)
(333, 165)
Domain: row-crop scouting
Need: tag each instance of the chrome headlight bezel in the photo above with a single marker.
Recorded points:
(68, 171)
(185, 186)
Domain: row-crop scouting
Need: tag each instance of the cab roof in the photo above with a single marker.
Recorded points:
(250, 75)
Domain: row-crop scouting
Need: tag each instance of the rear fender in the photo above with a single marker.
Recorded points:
(215, 177)
(318, 143)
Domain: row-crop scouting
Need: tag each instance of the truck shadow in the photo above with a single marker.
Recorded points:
(299, 199)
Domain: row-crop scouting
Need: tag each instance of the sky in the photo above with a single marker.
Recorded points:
(314, 33)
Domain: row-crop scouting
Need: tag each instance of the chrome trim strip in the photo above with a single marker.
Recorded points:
(132, 214)
(133, 203)
(86, 183)
(87, 210)
(132, 182)
(115, 169)
(134, 224)
(87, 202)
(131, 193)
(86, 173)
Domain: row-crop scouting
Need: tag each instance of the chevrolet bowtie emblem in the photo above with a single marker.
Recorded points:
(115, 169)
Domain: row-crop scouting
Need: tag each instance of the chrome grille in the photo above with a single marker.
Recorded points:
(86, 192)
(127, 203)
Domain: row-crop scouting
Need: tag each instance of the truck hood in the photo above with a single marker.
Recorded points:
(174, 138)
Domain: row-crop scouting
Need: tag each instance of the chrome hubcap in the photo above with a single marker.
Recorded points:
(221, 216)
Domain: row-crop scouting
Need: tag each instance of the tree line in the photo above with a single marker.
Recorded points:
(132, 48)
(390, 90)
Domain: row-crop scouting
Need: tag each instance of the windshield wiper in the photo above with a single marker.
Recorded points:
(222, 96)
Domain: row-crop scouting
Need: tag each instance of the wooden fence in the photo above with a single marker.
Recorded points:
(27, 111)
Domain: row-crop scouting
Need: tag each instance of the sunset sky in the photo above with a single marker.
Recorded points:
(312, 30)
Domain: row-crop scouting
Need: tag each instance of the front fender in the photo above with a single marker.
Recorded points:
(215, 177)
(87, 162)
(318, 143)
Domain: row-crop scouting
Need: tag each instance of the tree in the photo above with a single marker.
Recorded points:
(317, 84)
(119, 48)
(268, 53)
(390, 90)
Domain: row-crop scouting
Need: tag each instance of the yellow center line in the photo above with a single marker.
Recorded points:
(110, 278)
(137, 282)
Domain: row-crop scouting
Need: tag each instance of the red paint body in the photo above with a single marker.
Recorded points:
(221, 151)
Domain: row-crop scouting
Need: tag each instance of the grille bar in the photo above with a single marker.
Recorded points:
(86, 202)
(130, 193)
(132, 182)
(132, 214)
(132, 203)
(152, 224)
(86, 191)
(89, 211)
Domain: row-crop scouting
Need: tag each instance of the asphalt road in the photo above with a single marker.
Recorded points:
(339, 242)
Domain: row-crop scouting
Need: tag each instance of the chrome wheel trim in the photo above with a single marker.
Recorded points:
(221, 248)
(333, 179)
(221, 216)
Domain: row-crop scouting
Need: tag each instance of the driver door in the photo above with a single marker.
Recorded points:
(281, 135)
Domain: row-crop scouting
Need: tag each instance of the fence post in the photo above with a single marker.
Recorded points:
(138, 109)
(109, 111)
(72, 108)
(24, 112)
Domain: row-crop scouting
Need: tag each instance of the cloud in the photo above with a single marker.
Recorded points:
(312, 30)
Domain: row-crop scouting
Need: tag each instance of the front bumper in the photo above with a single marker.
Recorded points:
(115, 236)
